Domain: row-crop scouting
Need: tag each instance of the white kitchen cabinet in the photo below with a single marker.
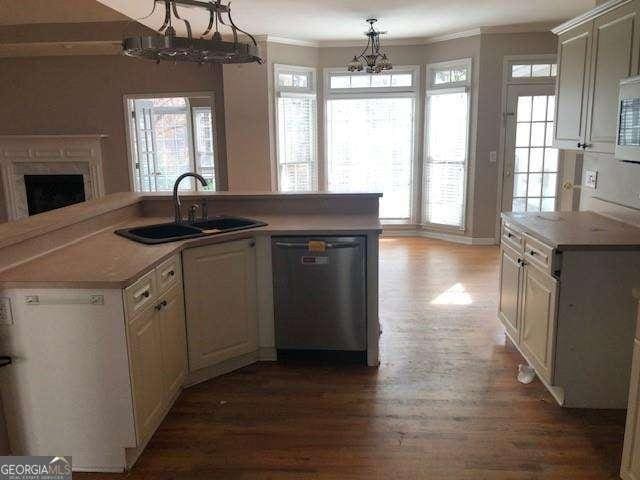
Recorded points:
(173, 335)
(539, 307)
(594, 54)
(510, 281)
(631, 453)
(157, 347)
(147, 376)
(221, 302)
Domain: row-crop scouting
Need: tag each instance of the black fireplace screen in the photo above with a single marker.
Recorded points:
(48, 192)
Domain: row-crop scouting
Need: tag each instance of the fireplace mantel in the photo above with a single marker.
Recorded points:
(22, 155)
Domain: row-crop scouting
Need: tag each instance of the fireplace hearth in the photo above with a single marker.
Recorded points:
(48, 192)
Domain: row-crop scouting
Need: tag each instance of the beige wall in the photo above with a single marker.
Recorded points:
(618, 181)
(494, 47)
(84, 95)
(245, 97)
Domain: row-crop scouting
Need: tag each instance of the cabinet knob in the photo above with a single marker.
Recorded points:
(579, 145)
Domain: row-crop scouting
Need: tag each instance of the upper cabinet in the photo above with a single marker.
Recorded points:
(595, 52)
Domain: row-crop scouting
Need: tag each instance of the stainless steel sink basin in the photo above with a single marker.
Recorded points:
(171, 232)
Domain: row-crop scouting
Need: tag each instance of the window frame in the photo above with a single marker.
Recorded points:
(412, 91)
(130, 134)
(281, 91)
(511, 60)
(442, 89)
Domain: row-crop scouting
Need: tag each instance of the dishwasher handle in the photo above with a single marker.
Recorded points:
(328, 245)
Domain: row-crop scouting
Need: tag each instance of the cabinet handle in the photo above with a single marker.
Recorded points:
(580, 145)
(161, 305)
(141, 295)
(4, 361)
(171, 273)
(252, 243)
(510, 235)
(532, 252)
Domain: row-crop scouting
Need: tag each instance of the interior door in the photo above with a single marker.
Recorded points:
(531, 166)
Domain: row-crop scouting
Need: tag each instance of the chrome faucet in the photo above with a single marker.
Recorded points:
(176, 196)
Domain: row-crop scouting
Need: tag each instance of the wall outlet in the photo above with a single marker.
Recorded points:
(493, 156)
(591, 179)
(5, 312)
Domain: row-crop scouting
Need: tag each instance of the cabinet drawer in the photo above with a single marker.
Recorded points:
(168, 273)
(140, 294)
(512, 237)
(538, 253)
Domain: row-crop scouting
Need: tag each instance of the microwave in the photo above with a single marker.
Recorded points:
(628, 131)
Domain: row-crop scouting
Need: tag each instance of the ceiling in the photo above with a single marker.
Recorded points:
(343, 20)
(20, 12)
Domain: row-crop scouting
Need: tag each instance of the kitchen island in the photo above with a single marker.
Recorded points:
(97, 331)
(567, 303)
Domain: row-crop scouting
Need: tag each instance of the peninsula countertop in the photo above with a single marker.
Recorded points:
(576, 230)
(107, 260)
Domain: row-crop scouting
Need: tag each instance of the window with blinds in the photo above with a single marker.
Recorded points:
(296, 128)
(370, 132)
(446, 149)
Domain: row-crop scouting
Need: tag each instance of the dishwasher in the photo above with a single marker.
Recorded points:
(320, 293)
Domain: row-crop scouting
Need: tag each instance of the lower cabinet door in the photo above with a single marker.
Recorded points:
(510, 279)
(221, 304)
(174, 340)
(631, 454)
(146, 371)
(539, 310)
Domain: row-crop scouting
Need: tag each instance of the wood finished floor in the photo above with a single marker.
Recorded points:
(444, 404)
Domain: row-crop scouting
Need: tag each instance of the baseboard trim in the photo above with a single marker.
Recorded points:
(447, 237)
(267, 354)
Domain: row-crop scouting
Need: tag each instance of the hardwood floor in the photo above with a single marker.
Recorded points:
(444, 404)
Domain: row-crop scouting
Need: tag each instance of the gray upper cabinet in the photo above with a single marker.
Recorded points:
(594, 54)
(573, 70)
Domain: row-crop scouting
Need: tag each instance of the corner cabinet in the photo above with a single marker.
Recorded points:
(594, 54)
(221, 303)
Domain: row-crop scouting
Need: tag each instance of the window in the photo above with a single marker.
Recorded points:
(446, 150)
(370, 130)
(533, 70)
(169, 137)
(535, 175)
(296, 128)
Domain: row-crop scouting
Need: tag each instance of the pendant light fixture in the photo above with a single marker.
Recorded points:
(201, 50)
(372, 55)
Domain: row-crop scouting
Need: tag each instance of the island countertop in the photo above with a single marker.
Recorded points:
(102, 259)
(576, 230)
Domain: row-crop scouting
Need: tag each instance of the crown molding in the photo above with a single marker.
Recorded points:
(514, 28)
(590, 15)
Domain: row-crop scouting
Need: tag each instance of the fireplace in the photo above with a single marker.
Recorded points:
(48, 192)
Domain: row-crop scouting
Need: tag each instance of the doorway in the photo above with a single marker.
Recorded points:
(531, 164)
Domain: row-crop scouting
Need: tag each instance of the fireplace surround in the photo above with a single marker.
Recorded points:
(27, 156)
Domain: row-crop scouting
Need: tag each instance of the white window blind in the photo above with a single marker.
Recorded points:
(296, 128)
(370, 135)
(370, 149)
(446, 150)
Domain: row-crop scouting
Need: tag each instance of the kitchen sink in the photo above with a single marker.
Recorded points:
(172, 232)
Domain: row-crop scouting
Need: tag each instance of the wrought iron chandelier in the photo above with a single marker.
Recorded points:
(372, 55)
(201, 50)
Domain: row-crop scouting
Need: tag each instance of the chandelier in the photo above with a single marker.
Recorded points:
(199, 50)
(375, 59)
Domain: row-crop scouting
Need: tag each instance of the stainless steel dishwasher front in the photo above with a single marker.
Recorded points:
(320, 293)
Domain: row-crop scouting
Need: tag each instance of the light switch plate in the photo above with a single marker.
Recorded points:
(591, 179)
(5, 312)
